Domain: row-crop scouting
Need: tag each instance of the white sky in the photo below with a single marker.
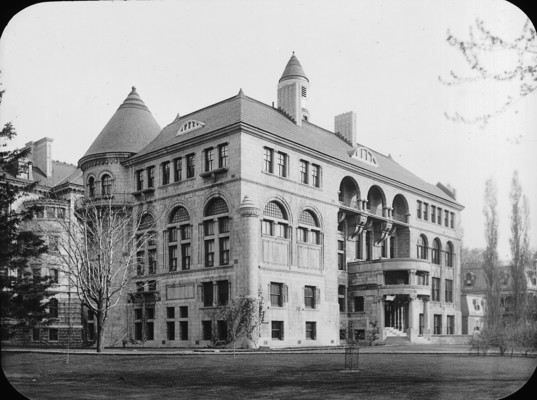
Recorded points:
(67, 66)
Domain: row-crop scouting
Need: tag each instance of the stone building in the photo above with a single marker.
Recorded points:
(58, 186)
(473, 295)
(244, 198)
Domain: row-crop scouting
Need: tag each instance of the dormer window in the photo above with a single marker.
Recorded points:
(190, 125)
(365, 155)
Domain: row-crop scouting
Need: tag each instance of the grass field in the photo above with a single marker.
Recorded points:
(262, 376)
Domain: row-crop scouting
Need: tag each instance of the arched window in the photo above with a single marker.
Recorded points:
(53, 308)
(275, 221)
(449, 254)
(91, 186)
(308, 228)
(400, 208)
(435, 251)
(106, 185)
(216, 228)
(422, 247)
(179, 237)
(146, 243)
(375, 201)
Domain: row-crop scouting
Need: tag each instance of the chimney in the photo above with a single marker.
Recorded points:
(345, 127)
(41, 155)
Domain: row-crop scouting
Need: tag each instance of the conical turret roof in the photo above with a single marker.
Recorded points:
(293, 70)
(129, 130)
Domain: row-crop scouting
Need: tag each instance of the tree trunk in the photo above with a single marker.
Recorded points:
(101, 318)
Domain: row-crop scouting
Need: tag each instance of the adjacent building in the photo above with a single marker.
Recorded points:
(244, 198)
(57, 187)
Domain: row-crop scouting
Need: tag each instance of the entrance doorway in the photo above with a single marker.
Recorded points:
(396, 313)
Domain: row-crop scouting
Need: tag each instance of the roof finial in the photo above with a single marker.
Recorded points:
(134, 88)
(241, 93)
(293, 52)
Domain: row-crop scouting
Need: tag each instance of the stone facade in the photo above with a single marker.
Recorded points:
(243, 199)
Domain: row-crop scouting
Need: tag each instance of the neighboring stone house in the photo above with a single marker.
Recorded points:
(58, 186)
(242, 198)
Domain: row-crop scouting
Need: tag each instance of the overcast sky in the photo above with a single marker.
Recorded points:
(67, 66)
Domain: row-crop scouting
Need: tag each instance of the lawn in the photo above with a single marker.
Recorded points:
(261, 376)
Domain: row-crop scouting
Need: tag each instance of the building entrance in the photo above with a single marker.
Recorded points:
(396, 312)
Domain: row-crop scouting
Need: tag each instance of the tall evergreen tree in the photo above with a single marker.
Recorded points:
(23, 296)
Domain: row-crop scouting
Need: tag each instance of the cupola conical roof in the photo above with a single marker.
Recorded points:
(293, 70)
(129, 130)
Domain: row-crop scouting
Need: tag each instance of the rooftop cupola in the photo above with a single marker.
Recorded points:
(293, 91)
(130, 129)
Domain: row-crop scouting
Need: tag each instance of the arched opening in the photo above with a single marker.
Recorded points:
(216, 228)
(179, 239)
(106, 185)
(400, 209)
(422, 247)
(435, 251)
(349, 192)
(375, 201)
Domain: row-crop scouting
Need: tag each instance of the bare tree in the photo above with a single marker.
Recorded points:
(491, 271)
(519, 243)
(98, 253)
(244, 316)
(481, 50)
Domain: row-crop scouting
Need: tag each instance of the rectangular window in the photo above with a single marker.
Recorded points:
(436, 289)
(190, 166)
(207, 288)
(185, 254)
(165, 172)
(209, 159)
(223, 225)
(450, 328)
(140, 180)
(281, 231)
(452, 221)
(315, 175)
(341, 294)
(268, 160)
(439, 217)
(150, 177)
(222, 330)
(170, 330)
(172, 258)
(311, 330)
(183, 312)
(152, 286)
(446, 218)
(150, 331)
(36, 334)
(53, 334)
(223, 156)
(137, 314)
(209, 253)
(224, 251)
(266, 228)
(207, 330)
(183, 330)
(304, 167)
(309, 296)
(276, 294)
(186, 232)
(277, 330)
(358, 303)
(208, 228)
(420, 209)
(138, 331)
(170, 312)
(223, 292)
(172, 235)
(449, 290)
(302, 235)
(422, 278)
(140, 264)
(433, 213)
(178, 169)
(61, 213)
(152, 260)
(425, 211)
(437, 318)
(282, 164)
(55, 275)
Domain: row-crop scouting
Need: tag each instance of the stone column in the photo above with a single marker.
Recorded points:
(413, 330)
(426, 318)
(380, 317)
(251, 234)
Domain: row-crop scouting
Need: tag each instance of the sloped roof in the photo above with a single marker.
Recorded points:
(293, 69)
(129, 130)
(249, 111)
(61, 173)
